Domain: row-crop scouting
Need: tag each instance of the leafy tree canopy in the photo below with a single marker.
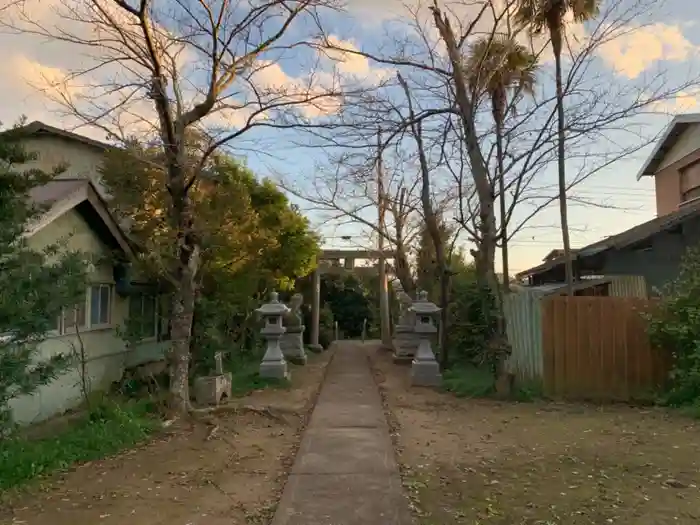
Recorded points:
(245, 226)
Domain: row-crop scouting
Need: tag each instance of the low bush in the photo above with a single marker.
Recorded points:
(675, 327)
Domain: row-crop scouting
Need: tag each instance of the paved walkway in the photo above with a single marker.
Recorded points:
(345, 472)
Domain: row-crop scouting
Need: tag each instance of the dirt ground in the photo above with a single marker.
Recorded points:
(486, 462)
(186, 477)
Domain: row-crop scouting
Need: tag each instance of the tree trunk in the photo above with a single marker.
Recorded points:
(403, 269)
(556, 36)
(445, 285)
(182, 315)
(431, 222)
(498, 104)
(485, 253)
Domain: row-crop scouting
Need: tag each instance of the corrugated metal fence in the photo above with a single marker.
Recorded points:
(524, 325)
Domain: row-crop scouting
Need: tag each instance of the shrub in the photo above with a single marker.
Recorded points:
(471, 324)
(675, 327)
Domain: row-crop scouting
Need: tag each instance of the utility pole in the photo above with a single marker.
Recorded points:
(383, 282)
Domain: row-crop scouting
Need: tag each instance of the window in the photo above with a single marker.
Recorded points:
(98, 301)
(71, 318)
(691, 194)
(143, 315)
(690, 182)
(100, 304)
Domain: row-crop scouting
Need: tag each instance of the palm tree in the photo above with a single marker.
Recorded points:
(548, 15)
(499, 67)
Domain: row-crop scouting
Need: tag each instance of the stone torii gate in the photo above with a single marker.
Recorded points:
(349, 257)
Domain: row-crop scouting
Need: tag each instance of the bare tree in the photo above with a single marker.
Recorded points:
(169, 68)
(458, 141)
(431, 220)
(347, 192)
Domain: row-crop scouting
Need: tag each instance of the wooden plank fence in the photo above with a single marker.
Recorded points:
(596, 348)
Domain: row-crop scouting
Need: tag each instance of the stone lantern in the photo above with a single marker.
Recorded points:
(273, 363)
(425, 370)
(405, 340)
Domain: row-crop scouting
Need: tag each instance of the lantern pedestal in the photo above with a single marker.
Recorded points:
(273, 364)
(274, 369)
(405, 344)
(425, 370)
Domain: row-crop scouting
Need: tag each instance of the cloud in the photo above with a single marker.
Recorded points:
(346, 61)
(632, 53)
(34, 73)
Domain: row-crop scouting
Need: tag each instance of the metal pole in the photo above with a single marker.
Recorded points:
(383, 282)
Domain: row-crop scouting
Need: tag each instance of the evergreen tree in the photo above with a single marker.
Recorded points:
(36, 286)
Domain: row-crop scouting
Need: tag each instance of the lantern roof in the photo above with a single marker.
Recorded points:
(274, 307)
(422, 306)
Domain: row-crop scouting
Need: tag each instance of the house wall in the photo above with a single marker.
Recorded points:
(667, 184)
(82, 160)
(687, 143)
(659, 264)
(667, 179)
(105, 352)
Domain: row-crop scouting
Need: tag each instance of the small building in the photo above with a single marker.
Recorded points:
(77, 214)
(654, 249)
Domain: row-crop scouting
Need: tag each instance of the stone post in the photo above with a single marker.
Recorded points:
(273, 363)
(213, 389)
(292, 341)
(425, 370)
(315, 311)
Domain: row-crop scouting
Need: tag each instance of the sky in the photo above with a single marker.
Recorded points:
(664, 42)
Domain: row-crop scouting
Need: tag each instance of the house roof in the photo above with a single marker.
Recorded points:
(62, 195)
(668, 139)
(559, 288)
(556, 252)
(38, 128)
(625, 238)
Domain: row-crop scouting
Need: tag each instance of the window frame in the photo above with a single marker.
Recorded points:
(88, 326)
(689, 182)
(141, 297)
(110, 305)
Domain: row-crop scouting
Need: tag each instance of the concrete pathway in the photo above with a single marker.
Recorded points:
(345, 472)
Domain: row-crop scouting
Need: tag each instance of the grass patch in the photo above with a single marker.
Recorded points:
(468, 381)
(109, 428)
(527, 392)
(471, 381)
(245, 377)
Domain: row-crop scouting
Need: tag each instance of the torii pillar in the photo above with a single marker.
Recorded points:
(315, 310)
